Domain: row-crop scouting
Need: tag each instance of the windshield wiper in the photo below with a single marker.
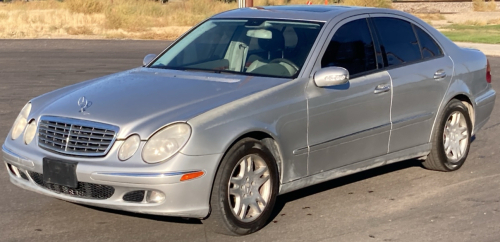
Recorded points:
(198, 70)
(230, 72)
(211, 71)
(201, 70)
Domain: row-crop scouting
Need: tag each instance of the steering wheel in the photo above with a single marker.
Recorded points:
(286, 61)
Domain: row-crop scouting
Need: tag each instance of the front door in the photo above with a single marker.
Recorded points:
(351, 122)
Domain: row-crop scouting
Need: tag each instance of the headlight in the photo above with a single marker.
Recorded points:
(30, 133)
(166, 143)
(129, 147)
(21, 121)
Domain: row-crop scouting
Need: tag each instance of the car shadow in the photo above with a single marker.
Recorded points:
(339, 182)
(342, 181)
(288, 197)
(146, 216)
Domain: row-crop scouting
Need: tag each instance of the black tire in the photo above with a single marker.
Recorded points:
(222, 219)
(438, 160)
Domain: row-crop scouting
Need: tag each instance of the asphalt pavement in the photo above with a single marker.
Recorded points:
(399, 202)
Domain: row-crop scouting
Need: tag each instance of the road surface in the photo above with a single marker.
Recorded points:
(399, 202)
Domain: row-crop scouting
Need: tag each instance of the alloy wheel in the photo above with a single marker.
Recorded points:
(455, 137)
(249, 188)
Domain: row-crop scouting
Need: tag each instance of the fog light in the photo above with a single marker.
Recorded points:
(155, 197)
(13, 169)
(9, 167)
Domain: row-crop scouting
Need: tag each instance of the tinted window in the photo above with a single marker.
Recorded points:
(256, 47)
(352, 48)
(397, 40)
(211, 45)
(429, 47)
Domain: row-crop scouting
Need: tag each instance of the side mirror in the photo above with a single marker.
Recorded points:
(331, 76)
(148, 59)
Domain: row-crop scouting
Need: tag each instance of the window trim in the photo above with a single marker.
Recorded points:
(412, 23)
(333, 27)
(333, 30)
(418, 40)
(378, 51)
(405, 18)
(384, 53)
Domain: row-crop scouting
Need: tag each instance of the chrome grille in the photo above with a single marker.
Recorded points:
(75, 137)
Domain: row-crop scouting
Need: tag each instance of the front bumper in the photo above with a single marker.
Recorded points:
(182, 199)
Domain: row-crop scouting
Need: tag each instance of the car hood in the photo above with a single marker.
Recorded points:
(143, 100)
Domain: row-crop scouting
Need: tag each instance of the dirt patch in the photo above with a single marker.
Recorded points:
(484, 17)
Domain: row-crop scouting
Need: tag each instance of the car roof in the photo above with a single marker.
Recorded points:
(321, 13)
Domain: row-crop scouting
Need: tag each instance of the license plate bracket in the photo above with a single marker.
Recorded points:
(60, 172)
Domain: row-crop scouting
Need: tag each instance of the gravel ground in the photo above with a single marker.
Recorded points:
(435, 7)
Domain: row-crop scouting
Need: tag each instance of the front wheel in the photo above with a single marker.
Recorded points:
(244, 190)
(451, 138)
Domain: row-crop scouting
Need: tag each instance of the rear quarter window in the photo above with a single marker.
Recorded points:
(429, 47)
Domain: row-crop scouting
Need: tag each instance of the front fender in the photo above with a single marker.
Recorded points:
(280, 112)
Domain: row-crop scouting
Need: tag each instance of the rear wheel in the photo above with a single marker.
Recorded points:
(451, 139)
(244, 190)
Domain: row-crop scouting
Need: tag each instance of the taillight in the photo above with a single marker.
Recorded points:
(488, 72)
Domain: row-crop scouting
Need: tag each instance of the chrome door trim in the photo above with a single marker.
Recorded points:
(412, 120)
(344, 139)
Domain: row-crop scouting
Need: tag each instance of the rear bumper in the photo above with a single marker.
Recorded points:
(484, 106)
(182, 199)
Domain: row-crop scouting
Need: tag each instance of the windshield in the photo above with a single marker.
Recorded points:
(260, 47)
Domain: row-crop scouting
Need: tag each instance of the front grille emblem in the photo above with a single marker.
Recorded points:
(84, 103)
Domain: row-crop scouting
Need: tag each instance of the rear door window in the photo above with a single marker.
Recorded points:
(429, 47)
(397, 40)
(352, 48)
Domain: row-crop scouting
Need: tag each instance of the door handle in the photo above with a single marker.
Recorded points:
(440, 74)
(382, 88)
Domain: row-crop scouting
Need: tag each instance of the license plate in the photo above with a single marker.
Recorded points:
(60, 172)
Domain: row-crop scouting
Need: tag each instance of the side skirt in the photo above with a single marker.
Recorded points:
(406, 154)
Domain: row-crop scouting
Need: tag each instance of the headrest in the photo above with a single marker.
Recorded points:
(276, 43)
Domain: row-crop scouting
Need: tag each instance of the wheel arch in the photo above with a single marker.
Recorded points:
(465, 99)
(459, 90)
(270, 142)
(267, 139)
(469, 104)
(217, 218)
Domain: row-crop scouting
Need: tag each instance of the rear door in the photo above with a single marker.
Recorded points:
(420, 73)
(349, 123)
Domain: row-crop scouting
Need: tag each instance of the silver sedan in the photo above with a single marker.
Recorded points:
(250, 104)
